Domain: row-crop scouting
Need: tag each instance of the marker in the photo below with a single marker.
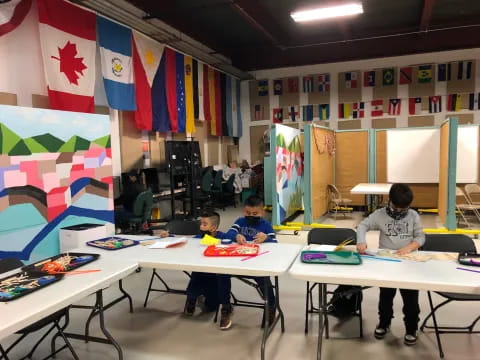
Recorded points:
(476, 271)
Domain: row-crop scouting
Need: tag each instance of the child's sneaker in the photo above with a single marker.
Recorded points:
(189, 309)
(410, 339)
(226, 318)
(380, 332)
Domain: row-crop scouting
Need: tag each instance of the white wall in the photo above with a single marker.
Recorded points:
(367, 92)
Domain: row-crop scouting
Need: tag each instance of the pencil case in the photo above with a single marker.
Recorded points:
(469, 258)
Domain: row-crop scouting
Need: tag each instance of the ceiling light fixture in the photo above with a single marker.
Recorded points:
(327, 12)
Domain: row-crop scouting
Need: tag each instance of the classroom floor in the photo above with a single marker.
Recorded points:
(161, 332)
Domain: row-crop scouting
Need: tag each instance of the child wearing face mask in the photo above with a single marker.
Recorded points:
(251, 228)
(400, 229)
(204, 283)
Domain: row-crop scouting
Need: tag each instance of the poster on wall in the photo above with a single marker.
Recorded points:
(288, 172)
(55, 171)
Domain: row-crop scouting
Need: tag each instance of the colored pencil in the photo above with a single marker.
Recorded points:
(380, 258)
(475, 271)
(254, 256)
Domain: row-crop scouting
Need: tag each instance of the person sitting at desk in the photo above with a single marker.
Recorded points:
(233, 169)
(400, 229)
(131, 189)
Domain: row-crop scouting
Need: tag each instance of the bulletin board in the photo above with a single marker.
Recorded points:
(351, 163)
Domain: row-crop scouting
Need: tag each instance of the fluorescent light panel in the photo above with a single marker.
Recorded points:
(327, 12)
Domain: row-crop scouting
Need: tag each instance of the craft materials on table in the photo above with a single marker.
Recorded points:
(232, 250)
(168, 242)
(254, 256)
(471, 259)
(373, 257)
(209, 240)
(416, 255)
(330, 257)
(112, 243)
(23, 283)
(471, 270)
(343, 244)
(60, 263)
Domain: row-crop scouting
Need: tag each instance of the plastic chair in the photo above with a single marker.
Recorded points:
(329, 236)
(142, 210)
(174, 227)
(336, 202)
(449, 243)
(53, 320)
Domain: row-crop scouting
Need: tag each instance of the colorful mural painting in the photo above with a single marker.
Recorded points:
(55, 171)
(289, 171)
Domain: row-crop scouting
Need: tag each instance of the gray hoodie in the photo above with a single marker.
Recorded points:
(394, 234)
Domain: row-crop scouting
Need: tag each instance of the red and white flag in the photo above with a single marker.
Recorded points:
(68, 40)
(394, 106)
(12, 14)
(377, 107)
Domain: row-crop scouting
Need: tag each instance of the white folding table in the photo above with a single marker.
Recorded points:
(372, 189)
(19, 313)
(189, 257)
(432, 275)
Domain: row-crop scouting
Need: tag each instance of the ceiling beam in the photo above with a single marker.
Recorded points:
(426, 14)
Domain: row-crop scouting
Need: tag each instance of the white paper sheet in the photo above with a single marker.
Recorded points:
(167, 242)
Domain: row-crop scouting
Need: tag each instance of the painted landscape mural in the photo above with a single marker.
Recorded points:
(55, 171)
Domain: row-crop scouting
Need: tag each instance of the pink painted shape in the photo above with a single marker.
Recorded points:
(109, 152)
(107, 161)
(47, 156)
(92, 163)
(50, 181)
(78, 159)
(75, 175)
(94, 152)
(107, 180)
(31, 169)
(14, 178)
(77, 167)
(54, 211)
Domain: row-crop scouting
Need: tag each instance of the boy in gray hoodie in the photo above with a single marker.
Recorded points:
(400, 229)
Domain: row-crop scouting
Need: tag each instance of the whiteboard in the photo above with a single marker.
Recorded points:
(413, 156)
(467, 154)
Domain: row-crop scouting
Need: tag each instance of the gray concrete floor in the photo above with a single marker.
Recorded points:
(160, 331)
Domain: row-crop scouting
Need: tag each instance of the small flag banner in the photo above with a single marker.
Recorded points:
(377, 107)
(308, 84)
(442, 72)
(277, 87)
(293, 113)
(277, 115)
(262, 86)
(434, 104)
(344, 110)
(474, 101)
(388, 76)
(324, 82)
(358, 110)
(323, 111)
(259, 112)
(307, 112)
(369, 78)
(293, 85)
(464, 70)
(415, 106)
(394, 106)
(405, 75)
(425, 74)
(454, 102)
(351, 81)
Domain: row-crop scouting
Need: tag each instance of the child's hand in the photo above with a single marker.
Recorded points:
(164, 233)
(260, 238)
(241, 239)
(404, 251)
(361, 248)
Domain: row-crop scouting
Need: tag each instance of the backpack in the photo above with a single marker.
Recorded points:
(346, 301)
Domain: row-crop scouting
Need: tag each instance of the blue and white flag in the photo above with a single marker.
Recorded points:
(115, 42)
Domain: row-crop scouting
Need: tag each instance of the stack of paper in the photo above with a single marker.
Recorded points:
(168, 242)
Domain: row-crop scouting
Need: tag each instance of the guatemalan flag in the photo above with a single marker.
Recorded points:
(115, 42)
(68, 41)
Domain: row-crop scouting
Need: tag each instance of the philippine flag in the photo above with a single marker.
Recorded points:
(115, 42)
(68, 40)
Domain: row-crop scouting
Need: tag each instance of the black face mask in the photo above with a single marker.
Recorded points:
(396, 214)
(205, 232)
(252, 220)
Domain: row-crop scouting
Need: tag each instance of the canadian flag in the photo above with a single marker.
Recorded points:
(68, 40)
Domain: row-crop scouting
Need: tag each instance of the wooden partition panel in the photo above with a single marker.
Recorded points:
(443, 184)
(322, 167)
(257, 145)
(351, 163)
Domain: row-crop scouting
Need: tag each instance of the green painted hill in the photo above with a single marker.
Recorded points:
(34, 146)
(49, 142)
(103, 141)
(8, 139)
(20, 148)
(75, 143)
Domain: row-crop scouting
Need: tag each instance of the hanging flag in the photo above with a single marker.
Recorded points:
(324, 82)
(308, 84)
(424, 74)
(293, 85)
(262, 86)
(405, 75)
(189, 103)
(442, 72)
(233, 131)
(307, 112)
(278, 87)
(434, 104)
(68, 42)
(464, 70)
(415, 106)
(180, 77)
(201, 92)
(377, 107)
(206, 94)
(223, 91)
(196, 110)
(388, 76)
(293, 113)
(277, 115)
(12, 14)
(161, 117)
(449, 71)
(239, 129)
(323, 111)
(212, 101)
(394, 106)
(218, 104)
(474, 101)
(259, 112)
(351, 80)
(358, 110)
(115, 43)
(147, 54)
(454, 102)
(344, 111)
(229, 100)
(369, 78)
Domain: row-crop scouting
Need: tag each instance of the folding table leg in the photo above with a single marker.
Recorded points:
(435, 325)
(265, 320)
(277, 305)
(3, 353)
(321, 313)
(102, 325)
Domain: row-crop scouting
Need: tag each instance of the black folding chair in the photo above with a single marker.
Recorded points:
(449, 243)
(330, 236)
(53, 320)
(176, 227)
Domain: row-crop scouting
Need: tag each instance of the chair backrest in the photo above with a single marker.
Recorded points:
(229, 188)
(183, 227)
(9, 264)
(207, 181)
(448, 243)
(461, 197)
(217, 181)
(473, 192)
(333, 192)
(331, 236)
(143, 205)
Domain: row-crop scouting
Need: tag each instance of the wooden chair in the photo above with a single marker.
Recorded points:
(337, 203)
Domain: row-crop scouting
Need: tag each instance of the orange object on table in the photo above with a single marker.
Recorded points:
(232, 250)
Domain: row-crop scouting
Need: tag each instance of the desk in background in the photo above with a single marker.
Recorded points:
(373, 193)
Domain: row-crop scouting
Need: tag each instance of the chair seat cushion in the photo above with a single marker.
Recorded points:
(460, 297)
